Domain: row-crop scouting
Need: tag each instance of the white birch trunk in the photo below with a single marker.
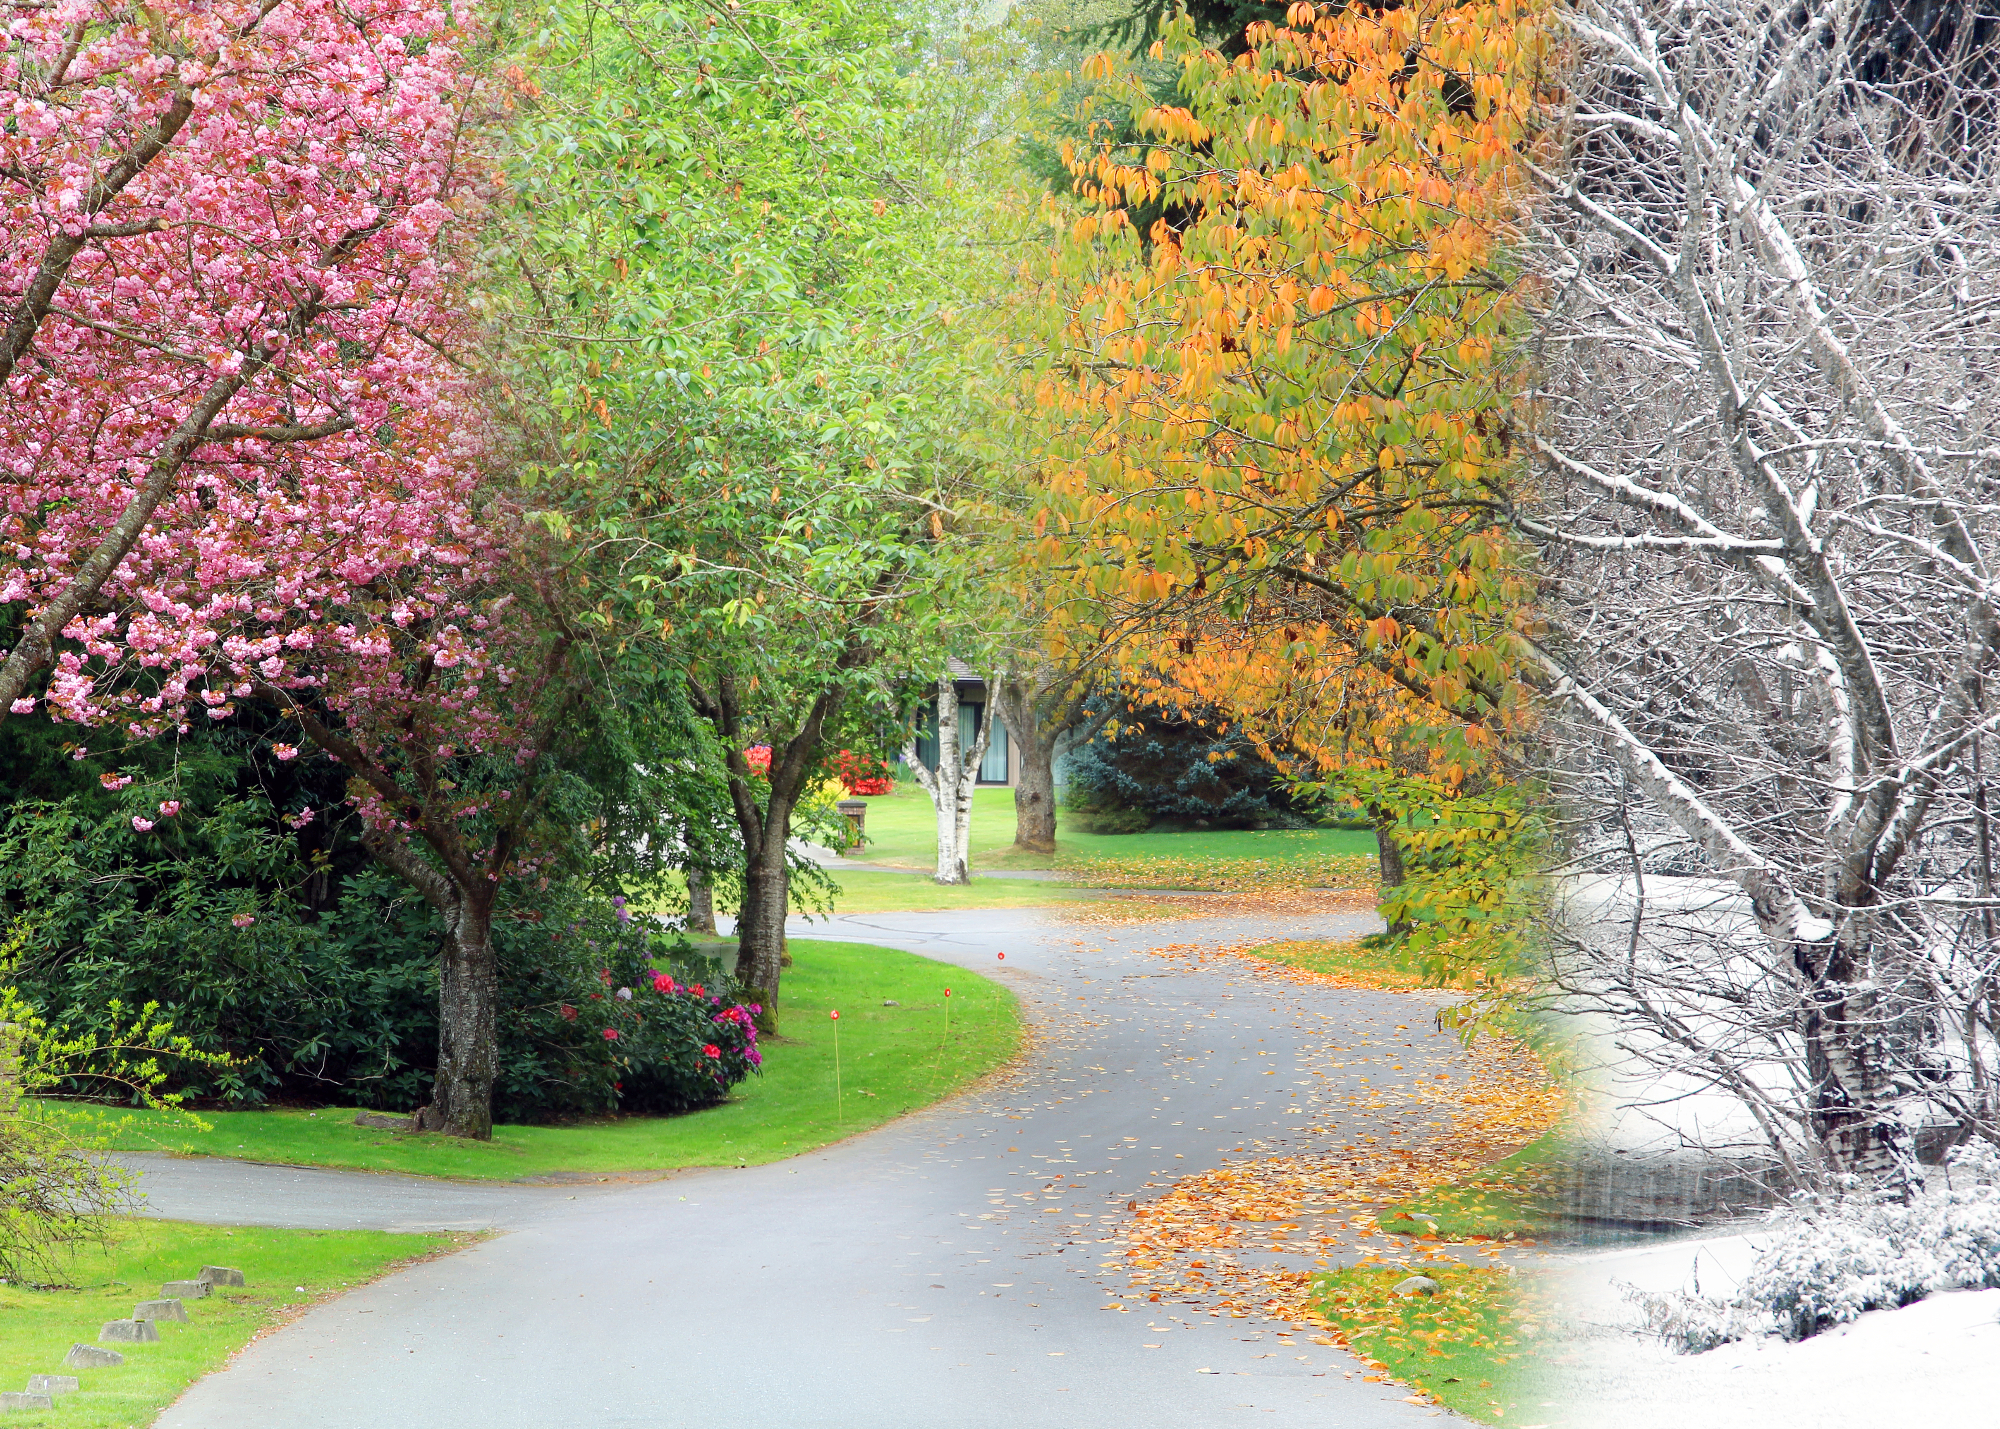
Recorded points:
(952, 786)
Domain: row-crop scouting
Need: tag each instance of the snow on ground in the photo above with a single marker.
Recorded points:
(1931, 1365)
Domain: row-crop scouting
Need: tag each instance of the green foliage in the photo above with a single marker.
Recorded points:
(55, 1190)
(205, 922)
(730, 288)
(1473, 857)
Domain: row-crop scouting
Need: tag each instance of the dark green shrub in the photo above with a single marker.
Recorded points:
(1185, 769)
(207, 917)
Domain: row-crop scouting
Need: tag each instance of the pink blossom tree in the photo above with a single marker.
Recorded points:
(226, 406)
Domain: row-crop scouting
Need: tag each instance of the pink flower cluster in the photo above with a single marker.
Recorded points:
(289, 251)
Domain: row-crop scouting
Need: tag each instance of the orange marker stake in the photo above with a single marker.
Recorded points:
(840, 1106)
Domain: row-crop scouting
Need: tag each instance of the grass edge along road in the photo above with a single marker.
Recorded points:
(893, 1060)
(37, 1326)
(1468, 1347)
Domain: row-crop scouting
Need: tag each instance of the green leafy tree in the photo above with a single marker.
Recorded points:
(740, 245)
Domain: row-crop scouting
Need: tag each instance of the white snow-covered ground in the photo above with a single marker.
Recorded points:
(1931, 1365)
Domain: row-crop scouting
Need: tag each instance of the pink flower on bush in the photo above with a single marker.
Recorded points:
(114, 781)
(711, 1050)
(25, 705)
(141, 824)
(170, 808)
(611, 1034)
(285, 751)
(242, 920)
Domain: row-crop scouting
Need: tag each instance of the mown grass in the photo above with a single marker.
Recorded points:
(1363, 961)
(863, 891)
(893, 1060)
(1470, 1346)
(37, 1326)
(1504, 1200)
(902, 832)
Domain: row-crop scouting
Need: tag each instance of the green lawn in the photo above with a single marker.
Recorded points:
(1502, 1200)
(37, 1327)
(1368, 963)
(893, 1060)
(867, 891)
(902, 832)
(1471, 1345)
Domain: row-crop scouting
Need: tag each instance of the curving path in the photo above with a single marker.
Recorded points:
(940, 1272)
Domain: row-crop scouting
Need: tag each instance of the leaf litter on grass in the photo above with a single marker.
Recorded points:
(1223, 874)
(1189, 1245)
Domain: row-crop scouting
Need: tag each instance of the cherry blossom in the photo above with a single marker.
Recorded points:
(226, 267)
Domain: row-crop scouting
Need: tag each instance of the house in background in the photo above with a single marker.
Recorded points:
(997, 768)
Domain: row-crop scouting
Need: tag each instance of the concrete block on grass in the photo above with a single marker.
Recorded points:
(11, 1399)
(159, 1310)
(52, 1384)
(128, 1332)
(92, 1357)
(220, 1275)
(184, 1290)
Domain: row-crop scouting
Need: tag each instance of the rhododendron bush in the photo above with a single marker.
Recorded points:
(225, 401)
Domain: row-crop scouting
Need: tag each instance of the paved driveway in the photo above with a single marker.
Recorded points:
(942, 1271)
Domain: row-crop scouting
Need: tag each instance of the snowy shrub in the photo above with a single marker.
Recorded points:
(1831, 1260)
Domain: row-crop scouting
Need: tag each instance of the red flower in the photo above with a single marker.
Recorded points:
(568, 1012)
(711, 1050)
(697, 989)
(663, 983)
(611, 1034)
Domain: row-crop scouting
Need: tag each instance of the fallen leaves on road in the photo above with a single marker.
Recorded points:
(1476, 1105)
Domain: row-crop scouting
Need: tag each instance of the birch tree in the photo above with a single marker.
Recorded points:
(952, 785)
(1765, 493)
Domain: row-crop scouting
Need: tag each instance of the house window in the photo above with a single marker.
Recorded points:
(993, 768)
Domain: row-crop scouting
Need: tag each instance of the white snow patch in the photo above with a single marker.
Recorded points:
(1934, 1364)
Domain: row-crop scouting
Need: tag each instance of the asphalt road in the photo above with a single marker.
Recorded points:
(940, 1272)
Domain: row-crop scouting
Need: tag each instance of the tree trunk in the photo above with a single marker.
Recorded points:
(468, 1061)
(701, 904)
(1035, 786)
(954, 782)
(1851, 1059)
(951, 860)
(760, 926)
(1390, 853)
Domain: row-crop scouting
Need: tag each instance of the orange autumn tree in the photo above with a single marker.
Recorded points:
(1271, 433)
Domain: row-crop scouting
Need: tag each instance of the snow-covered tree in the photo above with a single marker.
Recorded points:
(1767, 491)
